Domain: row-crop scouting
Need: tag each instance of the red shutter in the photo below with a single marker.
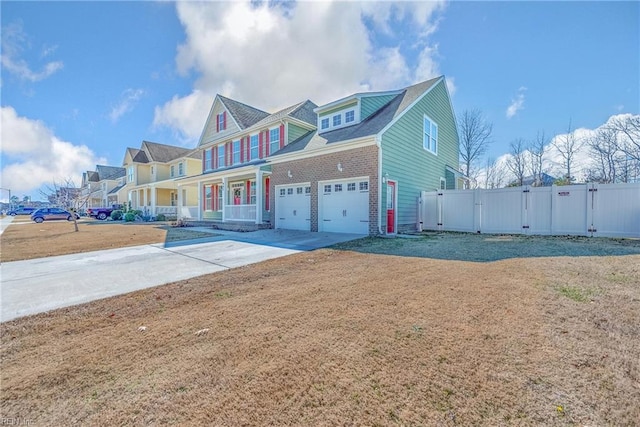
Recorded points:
(217, 123)
(204, 197)
(214, 197)
(266, 142)
(266, 193)
(281, 135)
(214, 157)
(247, 147)
(242, 150)
(260, 145)
(224, 120)
(228, 153)
(248, 192)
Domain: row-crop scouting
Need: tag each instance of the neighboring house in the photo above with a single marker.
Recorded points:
(151, 175)
(545, 180)
(354, 165)
(234, 183)
(98, 186)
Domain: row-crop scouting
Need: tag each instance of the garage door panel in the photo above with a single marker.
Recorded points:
(293, 207)
(345, 206)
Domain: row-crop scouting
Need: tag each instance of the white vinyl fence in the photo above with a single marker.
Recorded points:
(606, 210)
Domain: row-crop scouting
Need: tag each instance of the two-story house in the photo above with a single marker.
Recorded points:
(234, 184)
(151, 175)
(357, 164)
(100, 187)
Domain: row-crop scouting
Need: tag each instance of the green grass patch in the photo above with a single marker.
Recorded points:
(577, 293)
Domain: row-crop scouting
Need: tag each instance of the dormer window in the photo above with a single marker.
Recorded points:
(274, 140)
(324, 124)
(180, 169)
(349, 116)
(337, 120)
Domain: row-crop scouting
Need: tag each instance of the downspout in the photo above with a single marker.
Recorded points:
(379, 144)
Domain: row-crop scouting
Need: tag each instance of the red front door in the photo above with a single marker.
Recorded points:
(391, 207)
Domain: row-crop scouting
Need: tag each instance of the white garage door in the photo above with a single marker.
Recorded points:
(344, 206)
(293, 207)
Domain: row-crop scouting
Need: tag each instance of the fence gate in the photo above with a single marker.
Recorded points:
(608, 210)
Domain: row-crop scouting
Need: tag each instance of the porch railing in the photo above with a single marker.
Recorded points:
(240, 213)
(166, 210)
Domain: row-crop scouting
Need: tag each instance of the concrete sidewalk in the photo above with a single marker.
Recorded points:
(35, 286)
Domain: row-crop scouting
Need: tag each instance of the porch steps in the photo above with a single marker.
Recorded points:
(229, 225)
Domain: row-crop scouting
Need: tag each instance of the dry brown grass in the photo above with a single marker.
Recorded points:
(24, 239)
(342, 338)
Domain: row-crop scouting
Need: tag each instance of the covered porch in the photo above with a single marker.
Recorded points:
(238, 196)
(161, 198)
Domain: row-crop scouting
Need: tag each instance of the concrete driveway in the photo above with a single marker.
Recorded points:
(39, 285)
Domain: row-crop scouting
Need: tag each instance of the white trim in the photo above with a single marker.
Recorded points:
(356, 96)
(431, 122)
(410, 106)
(379, 185)
(324, 149)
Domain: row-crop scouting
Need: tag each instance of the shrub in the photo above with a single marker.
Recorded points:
(129, 217)
(116, 215)
(161, 217)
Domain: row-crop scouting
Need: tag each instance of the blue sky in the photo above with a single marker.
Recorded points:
(81, 81)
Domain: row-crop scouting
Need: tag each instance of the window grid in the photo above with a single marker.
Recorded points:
(254, 147)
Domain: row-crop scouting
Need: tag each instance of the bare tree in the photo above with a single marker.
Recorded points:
(605, 155)
(567, 146)
(629, 128)
(536, 158)
(66, 195)
(517, 160)
(494, 174)
(475, 137)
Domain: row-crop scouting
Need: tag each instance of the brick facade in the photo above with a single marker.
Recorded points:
(358, 162)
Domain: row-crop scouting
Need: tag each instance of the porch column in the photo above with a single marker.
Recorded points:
(200, 200)
(224, 198)
(154, 191)
(179, 207)
(258, 196)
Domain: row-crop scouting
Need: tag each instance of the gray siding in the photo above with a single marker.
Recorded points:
(371, 104)
(295, 132)
(404, 159)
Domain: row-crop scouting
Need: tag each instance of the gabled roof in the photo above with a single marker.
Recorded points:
(371, 126)
(244, 115)
(137, 155)
(301, 111)
(116, 189)
(109, 172)
(163, 153)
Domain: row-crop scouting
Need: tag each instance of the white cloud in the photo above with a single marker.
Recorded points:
(271, 55)
(35, 157)
(14, 41)
(517, 103)
(128, 99)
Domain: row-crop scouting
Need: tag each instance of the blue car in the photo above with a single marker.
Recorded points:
(49, 214)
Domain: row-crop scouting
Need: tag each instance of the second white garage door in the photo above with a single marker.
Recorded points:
(293, 207)
(344, 206)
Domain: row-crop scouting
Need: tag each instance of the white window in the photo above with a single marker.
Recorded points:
(351, 186)
(236, 152)
(324, 123)
(180, 169)
(338, 188)
(289, 191)
(327, 189)
(299, 190)
(173, 171)
(307, 190)
(254, 147)
(274, 140)
(252, 193)
(221, 122)
(443, 184)
(430, 141)
(283, 192)
(337, 120)
(207, 198)
(364, 186)
(220, 194)
(131, 173)
(207, 160)
(349, 116)
(221, 156)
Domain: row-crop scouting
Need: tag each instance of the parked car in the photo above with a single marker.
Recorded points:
(22, 211)
(48, 214)
(103, 212)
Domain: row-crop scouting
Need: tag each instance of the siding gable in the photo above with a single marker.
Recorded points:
(295, 132)
(404, 158)
(210, 132)
(371, 104)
